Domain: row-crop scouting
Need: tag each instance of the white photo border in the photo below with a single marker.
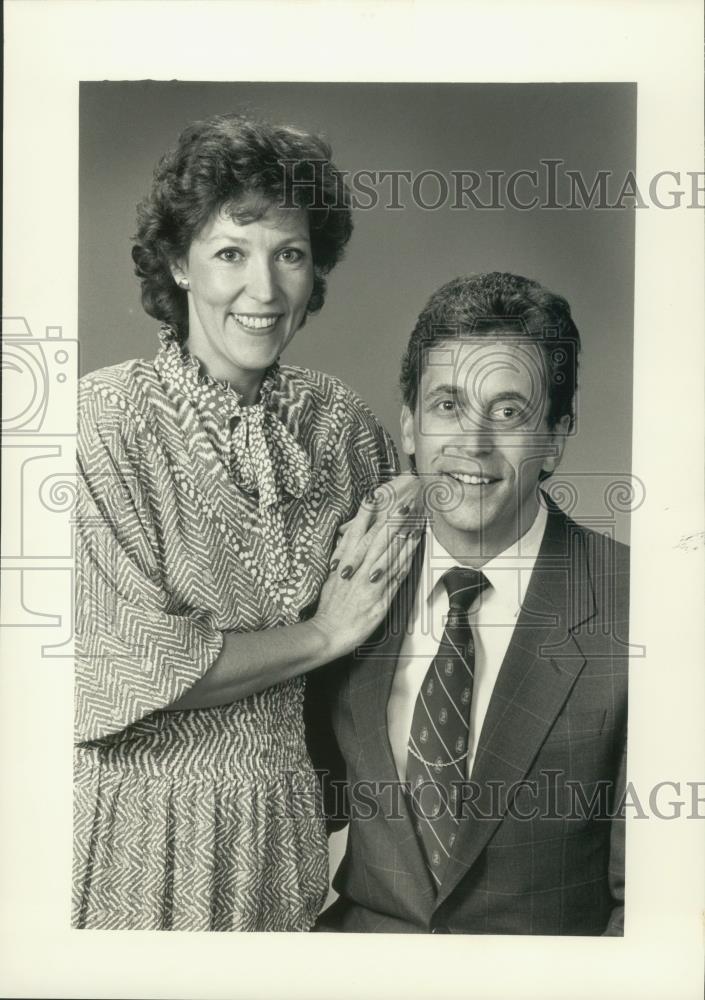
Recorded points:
(52, 45)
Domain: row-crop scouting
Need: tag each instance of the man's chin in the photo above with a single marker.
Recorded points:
(464, 521)
(471, 507)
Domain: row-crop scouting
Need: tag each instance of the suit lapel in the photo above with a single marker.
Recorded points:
(541, 666)
(371, 676)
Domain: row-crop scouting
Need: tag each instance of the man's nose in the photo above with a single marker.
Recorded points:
(261, 280)
(473, 441)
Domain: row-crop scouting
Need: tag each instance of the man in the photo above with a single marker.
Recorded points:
(482, 730)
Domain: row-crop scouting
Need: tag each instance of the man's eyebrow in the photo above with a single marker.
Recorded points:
(509, 394)
(446, 389)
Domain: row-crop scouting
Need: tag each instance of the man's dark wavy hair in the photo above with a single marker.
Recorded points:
(246, 165)
(499, 304)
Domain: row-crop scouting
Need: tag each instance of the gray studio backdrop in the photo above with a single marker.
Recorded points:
(398, 256)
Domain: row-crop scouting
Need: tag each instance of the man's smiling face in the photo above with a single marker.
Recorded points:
(481, 438)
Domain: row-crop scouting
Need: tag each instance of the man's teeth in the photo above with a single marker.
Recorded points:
(464, 477)
(256, 322)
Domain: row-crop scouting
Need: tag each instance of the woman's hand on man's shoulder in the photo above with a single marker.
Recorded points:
(371, 559)
(388, 505)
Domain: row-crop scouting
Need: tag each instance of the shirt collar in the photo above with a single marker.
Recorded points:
(508, 572)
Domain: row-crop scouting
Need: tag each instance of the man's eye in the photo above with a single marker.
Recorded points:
(446, 405)
(291, 255)
(229, 255)
(506, 413)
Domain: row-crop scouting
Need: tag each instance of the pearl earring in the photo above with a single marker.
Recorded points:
(183, 283)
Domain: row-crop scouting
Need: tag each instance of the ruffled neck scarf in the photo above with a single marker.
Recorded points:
(265, 457)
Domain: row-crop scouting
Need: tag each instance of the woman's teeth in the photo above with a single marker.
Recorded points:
(256, 322)
(464, 477)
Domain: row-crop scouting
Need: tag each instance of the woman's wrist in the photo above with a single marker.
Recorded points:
(324, 638)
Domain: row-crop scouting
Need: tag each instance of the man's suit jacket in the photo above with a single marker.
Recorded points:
(552, 748)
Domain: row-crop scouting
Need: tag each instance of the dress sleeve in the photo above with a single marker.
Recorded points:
(372, 454)
(135, 652)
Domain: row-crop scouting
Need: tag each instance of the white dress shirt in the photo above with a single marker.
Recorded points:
(492, 616)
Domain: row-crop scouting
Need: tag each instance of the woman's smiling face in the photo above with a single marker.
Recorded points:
(248, 288)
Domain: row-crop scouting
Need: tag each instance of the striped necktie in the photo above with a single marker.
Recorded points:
(440, 729)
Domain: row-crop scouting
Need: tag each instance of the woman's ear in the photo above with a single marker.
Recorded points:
(178, 271)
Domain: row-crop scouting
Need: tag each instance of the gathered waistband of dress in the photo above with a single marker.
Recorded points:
(198, 743)
(238, 763)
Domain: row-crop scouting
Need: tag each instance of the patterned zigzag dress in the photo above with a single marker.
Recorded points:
(196, 516)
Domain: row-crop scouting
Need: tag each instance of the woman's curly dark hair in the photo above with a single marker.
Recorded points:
(247, 165)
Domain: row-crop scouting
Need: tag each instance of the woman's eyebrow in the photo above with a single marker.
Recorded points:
(232, 238)
(294, 238)
(227, 237)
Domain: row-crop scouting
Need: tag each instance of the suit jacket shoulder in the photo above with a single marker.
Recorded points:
(599, 560)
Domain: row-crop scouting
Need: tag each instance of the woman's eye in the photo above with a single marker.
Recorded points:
(291, 255)
(229, 255)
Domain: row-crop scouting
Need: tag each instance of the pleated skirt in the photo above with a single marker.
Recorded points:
(198, 821)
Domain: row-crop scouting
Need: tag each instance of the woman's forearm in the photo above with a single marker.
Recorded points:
(252, 661)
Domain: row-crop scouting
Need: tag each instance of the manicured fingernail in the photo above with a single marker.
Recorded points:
(374, 577)
(346, 572)
(334, 565)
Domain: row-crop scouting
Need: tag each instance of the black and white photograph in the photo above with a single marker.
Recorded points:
(214, 584)
(352, 507)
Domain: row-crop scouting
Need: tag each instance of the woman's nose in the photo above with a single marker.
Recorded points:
(261, 281)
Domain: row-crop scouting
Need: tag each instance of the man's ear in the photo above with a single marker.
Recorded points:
(559, 432)
(407, 430)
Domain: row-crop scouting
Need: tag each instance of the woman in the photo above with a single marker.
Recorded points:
(212, 486)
